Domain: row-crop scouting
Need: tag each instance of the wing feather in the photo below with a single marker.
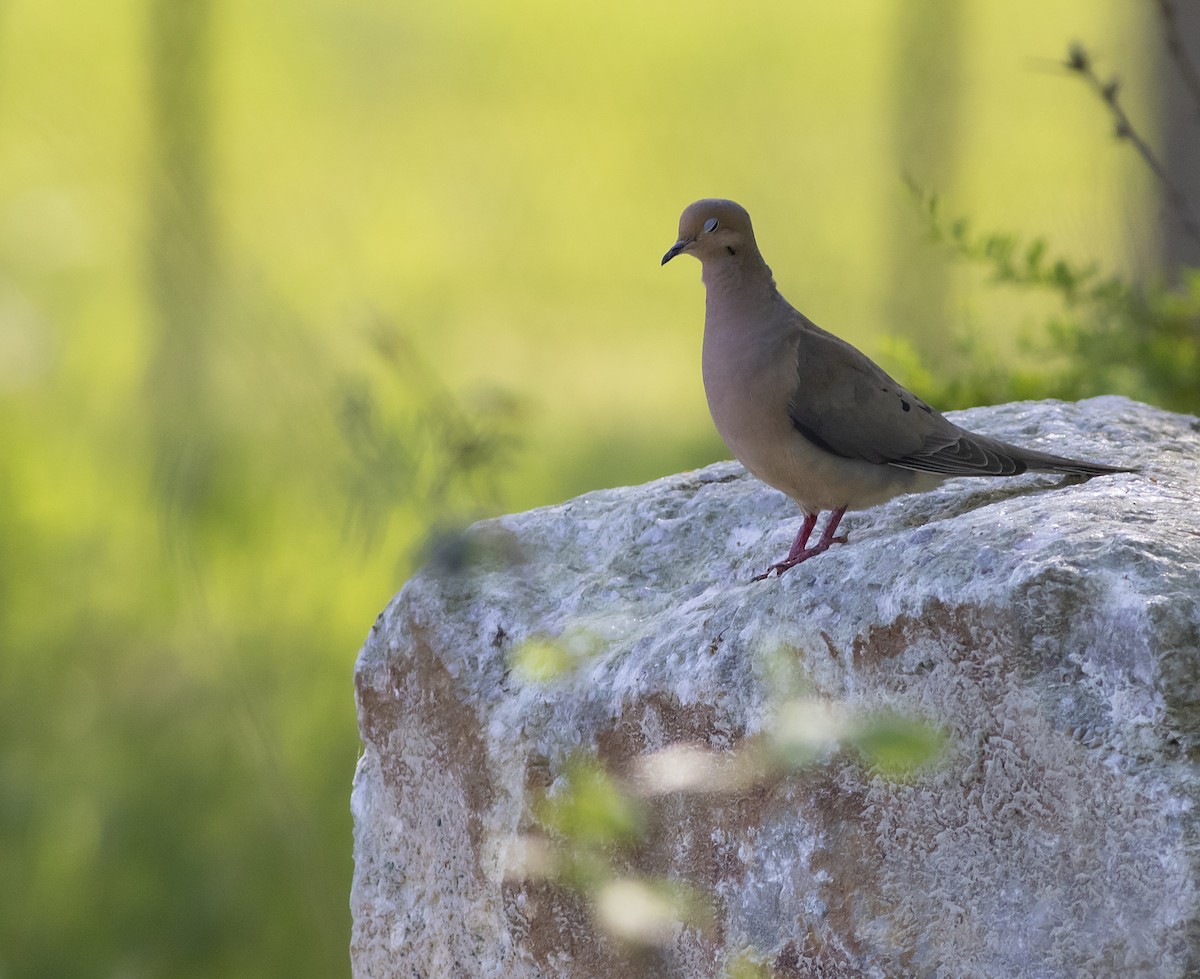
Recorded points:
(848, 405)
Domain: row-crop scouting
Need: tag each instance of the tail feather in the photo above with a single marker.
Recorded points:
(1046, 462)
(970, 454)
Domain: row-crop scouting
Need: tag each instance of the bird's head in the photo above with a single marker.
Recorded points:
(713, 229)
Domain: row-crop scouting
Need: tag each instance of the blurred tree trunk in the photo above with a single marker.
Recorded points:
(926, 117)
(181, 258)
(1179, 109)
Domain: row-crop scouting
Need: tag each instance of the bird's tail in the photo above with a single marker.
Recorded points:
(1034, 461)
(971, 454)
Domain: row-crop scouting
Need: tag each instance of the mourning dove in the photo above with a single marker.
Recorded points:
(809, 414)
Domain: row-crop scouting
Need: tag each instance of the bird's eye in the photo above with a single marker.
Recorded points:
(710, 225)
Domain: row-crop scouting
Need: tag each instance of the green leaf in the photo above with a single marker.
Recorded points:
(540, 660)
(589, 808)
(893, 745)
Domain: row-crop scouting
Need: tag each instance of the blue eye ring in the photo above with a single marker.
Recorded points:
(710, 225)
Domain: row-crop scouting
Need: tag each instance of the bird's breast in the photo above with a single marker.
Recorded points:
(747, 383)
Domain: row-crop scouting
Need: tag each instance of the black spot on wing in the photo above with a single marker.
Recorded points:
(864, 423)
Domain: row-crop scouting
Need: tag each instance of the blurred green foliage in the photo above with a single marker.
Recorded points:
(591, 819)
(747, 966)
(541, 660)
(896, 746)
(589, 809)
(1106, 334)
(544, 660)
(436, 450)
(216, 465)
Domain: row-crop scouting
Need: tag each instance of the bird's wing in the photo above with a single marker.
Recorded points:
(848, 405)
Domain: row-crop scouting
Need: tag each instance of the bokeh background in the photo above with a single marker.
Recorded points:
(289, 291)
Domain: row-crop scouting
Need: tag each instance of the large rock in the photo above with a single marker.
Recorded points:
(1051, 631)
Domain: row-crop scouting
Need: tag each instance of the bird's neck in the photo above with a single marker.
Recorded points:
(739, 287)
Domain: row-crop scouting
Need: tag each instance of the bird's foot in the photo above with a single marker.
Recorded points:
(792, 560)
(801, 551)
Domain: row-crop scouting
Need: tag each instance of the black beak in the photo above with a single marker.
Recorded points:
(675, 249)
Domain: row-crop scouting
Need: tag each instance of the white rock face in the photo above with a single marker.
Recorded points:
(1052, 632)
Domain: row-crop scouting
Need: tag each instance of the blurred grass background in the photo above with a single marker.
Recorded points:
(284, 287)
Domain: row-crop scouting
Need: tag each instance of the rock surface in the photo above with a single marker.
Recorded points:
(1051, 631)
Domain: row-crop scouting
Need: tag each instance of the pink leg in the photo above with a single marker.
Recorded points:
(802, 535)
(801, 551)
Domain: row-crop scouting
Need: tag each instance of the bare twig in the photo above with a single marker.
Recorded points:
(1172, 37)
(1080, 62)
